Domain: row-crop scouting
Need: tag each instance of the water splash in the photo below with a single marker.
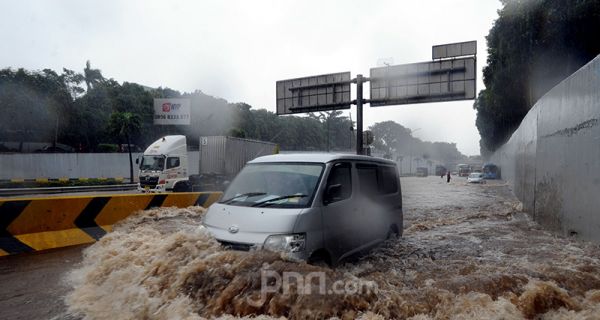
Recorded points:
(480, 259)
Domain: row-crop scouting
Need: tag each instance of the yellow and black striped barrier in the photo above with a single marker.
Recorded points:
(34, 224)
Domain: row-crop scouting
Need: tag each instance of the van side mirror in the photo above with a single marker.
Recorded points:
(137, 160)
(333, 192)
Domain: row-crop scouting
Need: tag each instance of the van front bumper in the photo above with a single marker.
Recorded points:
(297, 256)
(250, 241)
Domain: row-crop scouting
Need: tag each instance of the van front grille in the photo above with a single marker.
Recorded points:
(236, 246)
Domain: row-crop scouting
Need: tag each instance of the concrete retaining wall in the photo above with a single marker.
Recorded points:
(553, 159)
(73, 165)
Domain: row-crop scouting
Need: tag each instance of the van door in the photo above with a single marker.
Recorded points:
(339, 211)
(369, 209)
(390, 199)
(378, 189)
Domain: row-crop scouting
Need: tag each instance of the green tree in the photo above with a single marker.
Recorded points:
(47, 106)
(532, 46)
(395, 141)
(237, 132)
(389, 137)
(72, 80)
(336, 129)
(124, 124)
(36, 105)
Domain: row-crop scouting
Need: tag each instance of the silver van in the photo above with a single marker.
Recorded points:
(316, 207)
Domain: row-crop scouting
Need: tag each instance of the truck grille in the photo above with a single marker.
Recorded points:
(148, 181)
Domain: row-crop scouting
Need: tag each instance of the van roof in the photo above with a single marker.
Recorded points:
(318, 158)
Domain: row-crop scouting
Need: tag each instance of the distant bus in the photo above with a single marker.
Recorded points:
(491, 171)
(440, 170)
(464, 170)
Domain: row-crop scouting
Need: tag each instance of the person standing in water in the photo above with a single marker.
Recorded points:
(448, 177)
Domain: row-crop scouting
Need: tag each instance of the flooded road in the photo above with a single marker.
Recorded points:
(467, 253)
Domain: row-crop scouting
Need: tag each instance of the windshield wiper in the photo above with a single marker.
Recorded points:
(279, 198)
(248, 194)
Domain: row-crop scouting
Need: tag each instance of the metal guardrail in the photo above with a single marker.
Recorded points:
(50, 190)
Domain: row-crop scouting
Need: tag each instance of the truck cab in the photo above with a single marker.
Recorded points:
(163, 164)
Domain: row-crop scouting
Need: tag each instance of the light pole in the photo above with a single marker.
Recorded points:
(411, 148)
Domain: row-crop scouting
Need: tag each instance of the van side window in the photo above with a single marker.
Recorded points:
(367, 178)
(172, 162)
(341, 174)
(388, 180)
(375, 179)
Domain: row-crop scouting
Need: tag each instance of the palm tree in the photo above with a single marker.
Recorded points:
(124, 124)
(91, 76)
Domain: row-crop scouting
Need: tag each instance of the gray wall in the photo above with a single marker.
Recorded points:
(73, 165)
(552, 161)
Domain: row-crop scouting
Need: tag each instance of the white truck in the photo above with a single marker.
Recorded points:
(164, 164)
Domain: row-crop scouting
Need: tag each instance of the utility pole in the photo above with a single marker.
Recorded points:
(351, 132)
(359, 114)
(328, 139)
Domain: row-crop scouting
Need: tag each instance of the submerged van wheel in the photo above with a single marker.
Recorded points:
(320, 258)
(393, 232)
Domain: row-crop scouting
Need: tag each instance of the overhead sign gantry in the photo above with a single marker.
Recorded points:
(451, 76)
(316, 93)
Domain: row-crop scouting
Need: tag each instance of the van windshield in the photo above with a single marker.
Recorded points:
(152, 163)
(275, 185)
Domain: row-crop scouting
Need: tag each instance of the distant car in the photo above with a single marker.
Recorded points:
(476, 177)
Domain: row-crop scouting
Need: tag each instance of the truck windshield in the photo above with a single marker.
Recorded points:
(153, 163)
(276, 185)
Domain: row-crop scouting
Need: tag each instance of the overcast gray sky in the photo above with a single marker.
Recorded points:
(238, 49)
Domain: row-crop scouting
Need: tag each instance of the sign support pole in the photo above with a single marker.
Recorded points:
(359, 114)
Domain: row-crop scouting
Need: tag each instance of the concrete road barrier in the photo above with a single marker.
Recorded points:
(34, 224)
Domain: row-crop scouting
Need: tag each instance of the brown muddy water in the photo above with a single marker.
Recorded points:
(467, 253)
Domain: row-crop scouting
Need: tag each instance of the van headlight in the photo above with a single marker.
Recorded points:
(285, 242)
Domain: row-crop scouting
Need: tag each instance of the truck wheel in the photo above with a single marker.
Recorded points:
(182, 186)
